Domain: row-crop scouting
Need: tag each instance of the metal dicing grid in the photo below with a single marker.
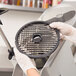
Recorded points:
(49, 39)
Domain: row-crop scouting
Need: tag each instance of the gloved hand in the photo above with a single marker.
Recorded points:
(24, 61)
(66, 30)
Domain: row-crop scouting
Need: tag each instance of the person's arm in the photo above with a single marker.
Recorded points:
(26, 64)
(68, 31)
(32, 72)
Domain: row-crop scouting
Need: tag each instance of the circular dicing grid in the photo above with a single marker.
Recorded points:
(25, 40)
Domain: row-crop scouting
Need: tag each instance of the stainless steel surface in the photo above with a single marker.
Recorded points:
(5, 64)
(17, 71)
(5, 39)
(61, 62)
(51, 59)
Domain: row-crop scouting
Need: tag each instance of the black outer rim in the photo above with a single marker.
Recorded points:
(37, 56)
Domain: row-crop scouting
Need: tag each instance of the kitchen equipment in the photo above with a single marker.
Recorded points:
(37, 40)
(60, 60)
(10, 49)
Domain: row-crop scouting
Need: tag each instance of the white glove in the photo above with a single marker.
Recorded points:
(66, 30)
(24, 61)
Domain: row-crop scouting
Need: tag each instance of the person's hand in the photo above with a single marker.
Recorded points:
(66, 30)
(24, 61)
